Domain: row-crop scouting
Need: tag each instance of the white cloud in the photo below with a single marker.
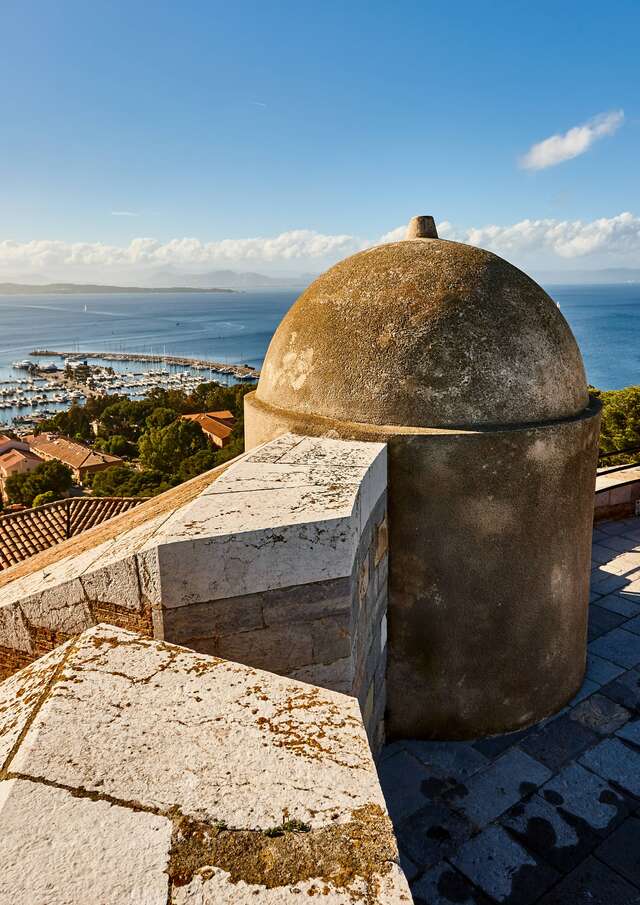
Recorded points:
(302, 245)
(607, 241)
(576, 141)
(124, 214)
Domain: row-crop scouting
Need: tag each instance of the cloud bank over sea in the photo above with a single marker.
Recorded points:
(603, 242)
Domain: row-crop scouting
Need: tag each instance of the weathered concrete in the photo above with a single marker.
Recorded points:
(468, 371)
(429, 333)
(156, 776)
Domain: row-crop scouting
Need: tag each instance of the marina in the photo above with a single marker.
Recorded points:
(52, 381)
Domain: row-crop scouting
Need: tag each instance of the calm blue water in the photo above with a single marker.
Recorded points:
(237, 327)
(606, 323)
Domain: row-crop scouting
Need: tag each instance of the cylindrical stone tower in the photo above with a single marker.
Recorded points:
(470, 373)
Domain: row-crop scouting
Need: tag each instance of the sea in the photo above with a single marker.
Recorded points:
(236, 328)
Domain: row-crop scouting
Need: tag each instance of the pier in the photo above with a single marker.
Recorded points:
(243, 371)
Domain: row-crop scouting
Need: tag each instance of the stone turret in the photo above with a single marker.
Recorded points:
(467, 369)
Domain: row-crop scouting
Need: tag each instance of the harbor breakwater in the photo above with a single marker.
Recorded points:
(244, 372)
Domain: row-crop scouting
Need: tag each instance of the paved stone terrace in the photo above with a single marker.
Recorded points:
(552, 814)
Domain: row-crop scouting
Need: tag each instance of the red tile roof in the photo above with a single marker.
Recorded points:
(23, 534)
(76, 455)
(213, 423)
(13, 456)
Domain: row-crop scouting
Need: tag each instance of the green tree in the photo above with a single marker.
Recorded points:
(49, 496)
(161, 417)
(203, 460)
(54, 476)
(166, 448)
(620, 425)
(123, 480)
(117, 445)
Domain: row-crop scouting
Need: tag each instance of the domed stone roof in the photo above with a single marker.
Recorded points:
(425, 333)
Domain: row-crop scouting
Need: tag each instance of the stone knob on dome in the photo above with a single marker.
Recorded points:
(422, 227)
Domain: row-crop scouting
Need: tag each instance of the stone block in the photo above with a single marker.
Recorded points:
(602, 621)
(621, 851)
(601, 671)
(213, 619)
(445, 759)
(586, 799)
(404, 784)
(594, 883)
(303, 603)
(381, 540)
(625, 689)
(116, 584)
(619, 646)
(559, 741)
(278, 649)
(330, 638)
(489, 793)
(63, 609)
(541, 827)
(615, 762)
(443, 885)
(504, 869)
(59, 862)
(600, 714)
(432, 833)
(630, 732)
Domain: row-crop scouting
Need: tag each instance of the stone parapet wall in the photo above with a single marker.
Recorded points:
(137, 771)
(617, 493)
(281, 563)
(283, 566)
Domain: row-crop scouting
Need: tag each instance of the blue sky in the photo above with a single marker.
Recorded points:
(216, 121)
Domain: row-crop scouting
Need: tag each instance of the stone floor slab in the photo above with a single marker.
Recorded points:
(630, 732)
(625, 690)
(615, 762)
(447, 759)
(404, 782)
(592, 883)
(600, 714)
(503, 869)
(617, 603)
(602, 621)
(602, 671)
(619, 646)
(444, 885)
(543, 829)
(559, 741)
(432, 833)
(586, 798)
(633, 625)
(621, 851)
(489, 793)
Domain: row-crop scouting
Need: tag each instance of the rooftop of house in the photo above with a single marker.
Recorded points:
(74, 454)
(31, 531)
(547, 815)
(220, 424)
(14, 456)
(236, 785)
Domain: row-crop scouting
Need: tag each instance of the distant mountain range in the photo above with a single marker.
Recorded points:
(229, 278)
(89, 288)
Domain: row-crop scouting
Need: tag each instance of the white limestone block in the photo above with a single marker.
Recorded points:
(20, 695)
(128, 752)
(68, 850)
(154, 723)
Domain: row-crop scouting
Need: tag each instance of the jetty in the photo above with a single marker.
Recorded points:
(244, 372)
